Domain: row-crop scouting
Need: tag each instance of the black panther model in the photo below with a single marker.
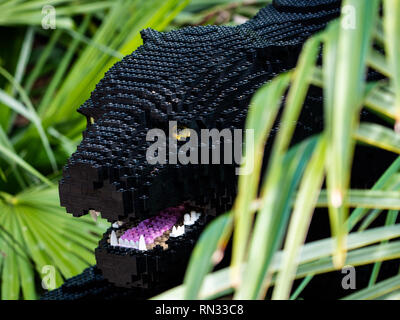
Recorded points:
(199, 78)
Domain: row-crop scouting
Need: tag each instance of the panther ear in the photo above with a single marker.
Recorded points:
(150, 35)
(86, 109)
(91, 112)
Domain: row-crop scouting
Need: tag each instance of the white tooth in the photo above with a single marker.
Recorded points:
(115, 225)
(177, 231)
(142, 243)
(94, 215)
(198, 214)
(137, 245)
(173, 232)
(120, 241)
(187, 220)
(132, 244)
(193, 216)
(127, 243)
(97, 213)
(113, 239)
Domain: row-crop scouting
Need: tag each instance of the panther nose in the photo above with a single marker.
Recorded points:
(79, 186)
(86, 186)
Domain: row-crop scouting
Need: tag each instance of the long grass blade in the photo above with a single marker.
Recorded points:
(378, 136)
(300, 220)
(390, 220)
(206, 254)
(391, 24)
(366, 199)
(28, 111)
(23, 57)
(262, 114)
(359, 213)
(352, 50)
(269, 217)
(377, 290)
(23, 164)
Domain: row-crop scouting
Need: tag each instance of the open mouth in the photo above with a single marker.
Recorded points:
(144, 253)
(154, 231)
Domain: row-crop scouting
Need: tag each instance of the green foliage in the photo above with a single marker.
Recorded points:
(280, 214)
(46, 74)
(54, 73)
(215, 12)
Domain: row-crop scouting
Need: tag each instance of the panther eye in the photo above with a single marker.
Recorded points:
(91, 120)
(181, 133)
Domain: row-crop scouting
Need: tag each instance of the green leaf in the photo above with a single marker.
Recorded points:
(300, 220)
(25, 269)
(26, 166)
(377, 291)
(346, 96)
(27, 12)
(24, 56)
(377, 61)
(39, 65)
(204, 254)
(378, 136)
(39, 233)
(27, 111)
(392, 26)
(390, 220)
(380, 100)
(10, 280)
(359, 213)
(301, 287)
(62, 68)
(367, 199)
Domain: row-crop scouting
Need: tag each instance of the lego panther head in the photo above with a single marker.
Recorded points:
(202, 78)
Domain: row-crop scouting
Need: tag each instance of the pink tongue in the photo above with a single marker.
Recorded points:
(154, 227)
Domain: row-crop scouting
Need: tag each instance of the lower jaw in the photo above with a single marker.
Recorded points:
(161, 263)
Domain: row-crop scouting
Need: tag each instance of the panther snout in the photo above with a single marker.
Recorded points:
(85, 186)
